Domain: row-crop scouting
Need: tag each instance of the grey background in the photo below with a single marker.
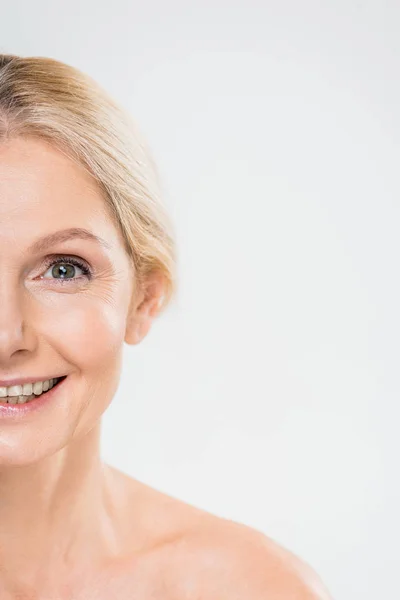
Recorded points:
(268, 393)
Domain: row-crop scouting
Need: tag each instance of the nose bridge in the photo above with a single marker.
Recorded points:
(12, 316)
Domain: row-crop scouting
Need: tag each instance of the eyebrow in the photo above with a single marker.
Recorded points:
(65, 235)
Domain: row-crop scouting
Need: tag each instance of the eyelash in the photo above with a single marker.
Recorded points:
(70, 260)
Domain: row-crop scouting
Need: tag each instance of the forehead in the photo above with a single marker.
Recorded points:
(41, 186)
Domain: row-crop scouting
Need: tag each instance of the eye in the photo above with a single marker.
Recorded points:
(66, 268)
(62, 271)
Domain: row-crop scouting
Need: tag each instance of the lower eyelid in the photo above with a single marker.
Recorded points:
(72, 282)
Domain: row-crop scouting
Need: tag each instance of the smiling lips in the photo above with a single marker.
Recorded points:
(19, 394)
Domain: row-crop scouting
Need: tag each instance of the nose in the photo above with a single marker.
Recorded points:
(16, 336)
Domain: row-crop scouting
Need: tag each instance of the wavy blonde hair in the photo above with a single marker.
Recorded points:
(49, 99)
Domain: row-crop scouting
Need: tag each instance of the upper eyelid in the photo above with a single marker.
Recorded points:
(55, 258)
(64, 256)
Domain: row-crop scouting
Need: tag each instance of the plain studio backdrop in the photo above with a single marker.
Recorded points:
(268, 392)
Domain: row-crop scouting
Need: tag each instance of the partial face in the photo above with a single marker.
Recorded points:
(64, 300)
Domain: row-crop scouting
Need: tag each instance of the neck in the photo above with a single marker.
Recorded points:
(56, 516)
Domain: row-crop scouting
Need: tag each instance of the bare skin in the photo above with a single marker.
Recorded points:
(72, 527)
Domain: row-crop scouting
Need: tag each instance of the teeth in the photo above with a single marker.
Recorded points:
(38, 388)
(27, 389)
(18, 394)
(14, 390)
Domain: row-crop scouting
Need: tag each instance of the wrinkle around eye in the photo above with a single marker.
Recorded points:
(103, 283)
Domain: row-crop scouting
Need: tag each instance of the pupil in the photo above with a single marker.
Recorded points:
(63, 271)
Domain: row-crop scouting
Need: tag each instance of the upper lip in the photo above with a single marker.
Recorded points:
(23, 380)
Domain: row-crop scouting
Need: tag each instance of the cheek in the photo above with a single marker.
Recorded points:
(84, 336)
(88, 332)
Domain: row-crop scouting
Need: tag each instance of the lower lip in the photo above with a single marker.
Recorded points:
(15, 411)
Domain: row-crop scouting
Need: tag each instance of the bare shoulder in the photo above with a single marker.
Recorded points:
(231, 561)
(195, 555)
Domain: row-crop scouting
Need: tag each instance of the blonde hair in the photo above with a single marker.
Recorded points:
(49, 99)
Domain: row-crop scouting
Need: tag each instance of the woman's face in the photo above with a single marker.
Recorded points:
(58, 317)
